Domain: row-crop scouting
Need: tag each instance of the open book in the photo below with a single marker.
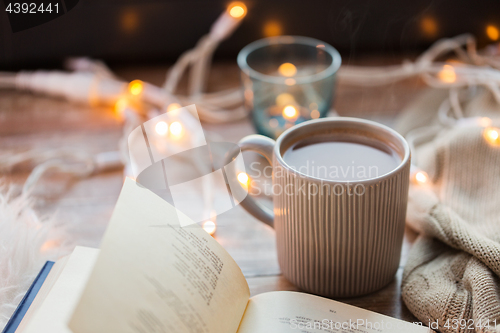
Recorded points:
(151, 275)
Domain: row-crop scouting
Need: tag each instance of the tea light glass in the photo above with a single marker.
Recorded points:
(287, 80)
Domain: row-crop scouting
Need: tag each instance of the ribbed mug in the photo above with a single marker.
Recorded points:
(335, 238)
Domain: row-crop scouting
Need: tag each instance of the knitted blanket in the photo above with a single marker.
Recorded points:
(452, 277)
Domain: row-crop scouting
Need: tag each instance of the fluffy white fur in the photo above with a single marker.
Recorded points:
(26, 242)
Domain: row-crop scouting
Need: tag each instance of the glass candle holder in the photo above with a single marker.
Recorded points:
(287, 80)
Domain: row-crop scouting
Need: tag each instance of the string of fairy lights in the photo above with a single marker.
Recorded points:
(93, 83)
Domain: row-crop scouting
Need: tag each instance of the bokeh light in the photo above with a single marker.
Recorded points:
(161, 128)
(492, 32)
(237, 9)
(210, 227)
(120, 105)
(272, 29)
(429, 26)
(290, 112)
(421, 177)
(492, 135)
(173, 106)
(287, 69)
(176, 129)
(243, 178)
(447, 74)
(284, 99)
(136, 87)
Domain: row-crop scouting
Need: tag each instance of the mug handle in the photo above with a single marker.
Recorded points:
(263, 146)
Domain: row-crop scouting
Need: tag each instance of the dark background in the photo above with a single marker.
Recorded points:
(122, 32)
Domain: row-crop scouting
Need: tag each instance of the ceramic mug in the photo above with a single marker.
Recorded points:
(330, 242)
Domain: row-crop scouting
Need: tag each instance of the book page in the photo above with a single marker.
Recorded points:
(154, 276)
(60, 298)
(284, 311)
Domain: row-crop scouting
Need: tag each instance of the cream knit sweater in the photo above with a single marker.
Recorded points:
(452, 276)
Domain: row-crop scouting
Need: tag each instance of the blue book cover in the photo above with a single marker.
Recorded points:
(23, 307)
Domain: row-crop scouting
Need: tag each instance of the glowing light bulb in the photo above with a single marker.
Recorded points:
(209, 227)
(136, 87)
(421, 177)
(447, 74)
(173, 106)
(287, 69)
(290, 112)
(284, 99)
(120, 105)
(237, 9)
(314, 114)
(492, 135)
(176, 129)
(492, 32)
(161, 128)
(243, 179)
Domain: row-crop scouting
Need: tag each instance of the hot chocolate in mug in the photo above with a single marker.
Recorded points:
(339, 211)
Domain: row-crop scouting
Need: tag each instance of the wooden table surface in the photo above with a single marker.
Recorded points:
(84, 206)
